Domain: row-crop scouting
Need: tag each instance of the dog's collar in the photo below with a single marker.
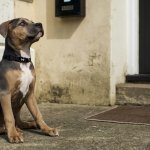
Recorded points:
(18, 59)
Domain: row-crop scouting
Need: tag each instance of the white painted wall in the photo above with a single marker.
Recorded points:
(118, 45)
(6, 12)
(1, 52)
(124, 42)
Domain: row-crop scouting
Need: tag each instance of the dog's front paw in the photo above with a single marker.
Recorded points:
(51, 132)
(16, 136)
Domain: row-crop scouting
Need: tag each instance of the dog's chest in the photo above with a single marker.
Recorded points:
(25, 78)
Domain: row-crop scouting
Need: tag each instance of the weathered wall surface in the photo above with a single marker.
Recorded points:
(73, 58)
(73, 63)
(119, 45)
(24, 10)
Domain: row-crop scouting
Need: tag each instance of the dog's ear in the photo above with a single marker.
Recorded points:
(4, 28)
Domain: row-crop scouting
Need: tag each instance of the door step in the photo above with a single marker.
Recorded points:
(129, 93)
(138, 78)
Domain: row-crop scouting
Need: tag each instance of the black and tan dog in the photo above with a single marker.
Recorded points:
(17, 79)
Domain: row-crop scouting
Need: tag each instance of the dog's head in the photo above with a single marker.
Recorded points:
(21, 32)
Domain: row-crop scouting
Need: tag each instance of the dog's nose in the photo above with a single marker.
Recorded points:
(38, 25)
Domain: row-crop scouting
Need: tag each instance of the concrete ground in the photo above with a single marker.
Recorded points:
(76, 133)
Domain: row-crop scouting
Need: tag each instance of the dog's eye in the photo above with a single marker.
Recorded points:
(23, 23)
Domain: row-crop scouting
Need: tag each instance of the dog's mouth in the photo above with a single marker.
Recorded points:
(36, 36)
(40, 34)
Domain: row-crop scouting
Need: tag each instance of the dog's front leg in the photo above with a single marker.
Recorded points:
(33, 108)
(14, 136)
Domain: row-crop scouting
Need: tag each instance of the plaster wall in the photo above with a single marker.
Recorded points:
(73, 58)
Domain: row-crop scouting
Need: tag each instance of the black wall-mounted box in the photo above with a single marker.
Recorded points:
(69, 8)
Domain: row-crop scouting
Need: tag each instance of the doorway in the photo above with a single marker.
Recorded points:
(143, 63)
(144, 36)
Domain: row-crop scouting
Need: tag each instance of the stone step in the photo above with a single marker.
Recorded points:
(138, 94)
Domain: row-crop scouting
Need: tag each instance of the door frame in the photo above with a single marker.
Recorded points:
(132, 37)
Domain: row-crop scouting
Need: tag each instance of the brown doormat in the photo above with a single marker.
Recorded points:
(124, 114)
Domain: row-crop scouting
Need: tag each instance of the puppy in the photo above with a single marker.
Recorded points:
(17, 79)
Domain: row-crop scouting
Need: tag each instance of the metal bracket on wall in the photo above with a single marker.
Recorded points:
(28, 1)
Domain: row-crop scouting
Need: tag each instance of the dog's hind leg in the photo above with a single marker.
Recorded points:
(13, 135)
